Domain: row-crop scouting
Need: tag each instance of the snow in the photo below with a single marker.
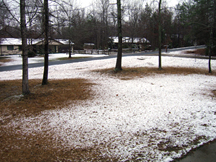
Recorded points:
(143, 117)
(11, 41)
(18, 41)
(17, 59)
(129, 40)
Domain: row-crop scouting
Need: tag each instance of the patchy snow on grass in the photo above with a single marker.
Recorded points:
(154, 118)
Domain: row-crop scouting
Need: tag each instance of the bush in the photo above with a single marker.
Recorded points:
(31, 54)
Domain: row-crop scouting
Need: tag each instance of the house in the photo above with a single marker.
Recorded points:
(88, 47)
(10, 46)
(127, 42)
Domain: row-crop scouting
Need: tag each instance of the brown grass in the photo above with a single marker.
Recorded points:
(56, 94)
(197, 51)
(131, 73)
(40, 147)
(4, 60)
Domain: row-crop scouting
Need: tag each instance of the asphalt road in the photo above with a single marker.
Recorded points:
(34, 65)
(205, 153)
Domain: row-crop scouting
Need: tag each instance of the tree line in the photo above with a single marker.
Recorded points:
(181, 25)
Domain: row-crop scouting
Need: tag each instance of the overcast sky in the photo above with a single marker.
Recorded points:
(86, 3)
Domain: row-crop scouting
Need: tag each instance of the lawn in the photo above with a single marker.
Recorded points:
(88, 112)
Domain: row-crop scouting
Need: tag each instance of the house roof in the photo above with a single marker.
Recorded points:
(89, 44)
(18, 41)
(129, 40)
(64, 41)
(11, 41)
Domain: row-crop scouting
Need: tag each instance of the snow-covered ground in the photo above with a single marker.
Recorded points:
(155, 118)
(17, 59)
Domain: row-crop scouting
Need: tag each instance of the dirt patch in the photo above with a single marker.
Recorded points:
(132, 73)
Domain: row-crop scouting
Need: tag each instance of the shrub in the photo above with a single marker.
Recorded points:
(31, 54)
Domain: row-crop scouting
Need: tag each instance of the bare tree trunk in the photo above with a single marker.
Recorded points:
(25, 85)
(46, 45)
(209, 63)
(70, 48)
(159, 32)
(212, 34)
(119, 57)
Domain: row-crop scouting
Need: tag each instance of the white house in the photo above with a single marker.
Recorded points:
(135, 40)
(127, 41)
(14, 45)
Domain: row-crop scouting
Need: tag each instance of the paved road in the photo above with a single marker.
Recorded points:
(205, 153)
(33, 65)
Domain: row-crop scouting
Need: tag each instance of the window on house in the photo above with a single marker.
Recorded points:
(20, 48)
(10, 47)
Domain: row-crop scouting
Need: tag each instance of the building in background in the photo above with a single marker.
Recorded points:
(13, 46)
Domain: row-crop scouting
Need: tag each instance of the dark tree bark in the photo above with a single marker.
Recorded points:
(212, 34)
(119, 56)
(46, 45)
(25, 85)
(159, 32)
(70, 50)
(209, 63)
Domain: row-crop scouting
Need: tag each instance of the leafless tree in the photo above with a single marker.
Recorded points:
(46, 45)
(66, 11)
(101, 13)
(131, 27)
(159, 32)
(25, 85)
(4, 14)
(119, 56)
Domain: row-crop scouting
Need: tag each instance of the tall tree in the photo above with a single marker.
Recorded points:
(46, 44)
(159, 32)
(145, 23)
(202, 21)
(4, 14)
(25, 85)
(119, 56)
(33, 12)
(65, 15)
(132, 26)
